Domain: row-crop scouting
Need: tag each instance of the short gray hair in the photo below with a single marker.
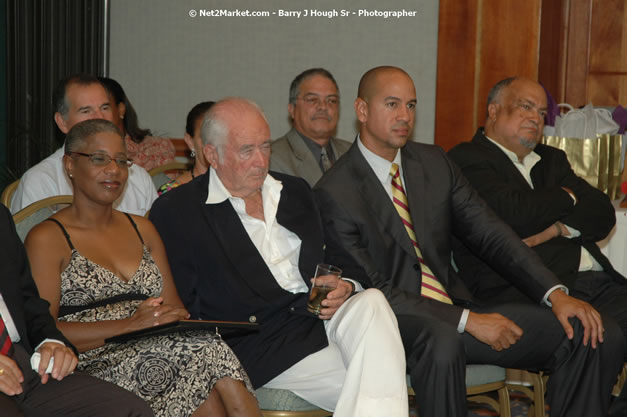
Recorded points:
(495, 92)
(215, 130)
(296, 82)
(80, 133)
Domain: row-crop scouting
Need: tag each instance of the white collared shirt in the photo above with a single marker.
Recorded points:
(381, 168)
(48, 178)
(12, 328)
(279, 247)
(586, 261)
(8, 321)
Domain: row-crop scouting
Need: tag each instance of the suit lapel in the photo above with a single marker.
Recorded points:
(242, 253)
(377, 201)
(298, 146)
(301, 220)
(497, 155)
(308, 167)
(414, 181)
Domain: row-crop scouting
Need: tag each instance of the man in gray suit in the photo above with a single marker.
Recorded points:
(309, 148)
(394, 205)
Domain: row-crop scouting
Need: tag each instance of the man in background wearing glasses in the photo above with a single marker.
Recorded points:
(310, 148)
(76, 98)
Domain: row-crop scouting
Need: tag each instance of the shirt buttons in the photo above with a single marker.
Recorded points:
(292, 309)
(416, 267)
(252, 319)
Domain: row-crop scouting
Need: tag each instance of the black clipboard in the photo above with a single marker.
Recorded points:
(227, 328)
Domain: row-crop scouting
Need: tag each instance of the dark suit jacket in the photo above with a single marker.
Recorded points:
(220, 275)
(355, 205)
(531, 210)
(29, 312)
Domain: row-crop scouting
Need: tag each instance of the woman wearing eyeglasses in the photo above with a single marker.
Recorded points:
(105, 273)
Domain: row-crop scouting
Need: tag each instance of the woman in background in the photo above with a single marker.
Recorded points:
(195, 118)
(106, 273)
(145, 150)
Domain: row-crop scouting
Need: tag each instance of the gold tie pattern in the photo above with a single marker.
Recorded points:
(431, 287)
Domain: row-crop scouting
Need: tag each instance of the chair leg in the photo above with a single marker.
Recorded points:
(533, 385)
(538, 394)
(504, 403)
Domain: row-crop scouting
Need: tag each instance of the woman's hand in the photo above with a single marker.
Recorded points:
(152, 312)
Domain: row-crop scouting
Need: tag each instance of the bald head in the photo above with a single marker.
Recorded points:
(370, 81)
(386, 109)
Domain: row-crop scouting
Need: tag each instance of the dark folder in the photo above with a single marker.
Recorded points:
(225, 328)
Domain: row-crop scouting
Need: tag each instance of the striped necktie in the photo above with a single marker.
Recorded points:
(6, 346)
(431, 287)
(324, 159)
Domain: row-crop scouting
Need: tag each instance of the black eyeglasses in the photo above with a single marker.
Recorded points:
(102, 159)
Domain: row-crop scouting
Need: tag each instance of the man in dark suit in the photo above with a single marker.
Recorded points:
(310, 148)
(394, 206)
(533, 189)
(243, 245)
(31, 333)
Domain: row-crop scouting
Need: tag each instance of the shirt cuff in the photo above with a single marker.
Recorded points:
(546, 301)
(573, 232)
(48, 340)
(461, 327)
(357, 285)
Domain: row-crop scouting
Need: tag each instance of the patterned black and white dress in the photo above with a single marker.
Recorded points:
(174, 373)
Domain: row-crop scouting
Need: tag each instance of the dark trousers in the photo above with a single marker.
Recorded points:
(581, 377)
(609, 297)
(77, 395)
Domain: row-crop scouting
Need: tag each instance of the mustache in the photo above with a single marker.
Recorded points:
(532, 123)
(321, 113)
(402, 125)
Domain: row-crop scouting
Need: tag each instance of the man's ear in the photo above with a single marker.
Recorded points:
(211, 154)
(61, 123)
(492, 110)
(361, 109)
(290, 110)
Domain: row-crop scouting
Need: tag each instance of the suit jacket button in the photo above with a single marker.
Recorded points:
(252, 319)
(292, 309)
(417, 267)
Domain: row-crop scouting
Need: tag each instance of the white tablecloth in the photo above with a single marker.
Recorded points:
(615, 245)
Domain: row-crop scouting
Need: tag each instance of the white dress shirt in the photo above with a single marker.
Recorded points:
(12, 329)
(48, 179)
(381, 168)
(279, 248)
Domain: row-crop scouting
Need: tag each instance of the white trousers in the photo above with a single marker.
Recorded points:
(362, 371)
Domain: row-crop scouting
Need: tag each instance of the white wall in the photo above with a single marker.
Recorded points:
(168, 61)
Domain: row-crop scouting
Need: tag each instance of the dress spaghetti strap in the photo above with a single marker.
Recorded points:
(65, 233)
(130, 219)
(69, 241)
